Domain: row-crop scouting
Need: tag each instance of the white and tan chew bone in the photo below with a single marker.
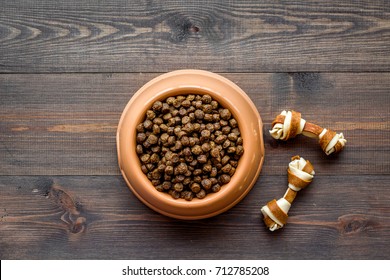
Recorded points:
(300, 174)
(289, 124)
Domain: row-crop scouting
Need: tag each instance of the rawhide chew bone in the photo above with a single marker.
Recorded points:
(300, 173)
(289, 124)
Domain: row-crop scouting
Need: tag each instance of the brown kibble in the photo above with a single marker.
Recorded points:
(217, 126)
(150, 114)
(197, 172)
(171, 140)
(140, 127)
(202, 159)
(165, 108)
(187, 152)
(223, 123)
(166, 185)
(214, 104)
(226, 129)
(208, 117)
(225, 160)
(156, 129)
(195, 187)
(171, 122)
(185, 120)
(169, 170)
(182, 111)
(188, 196)
(206, 99)
(226, 144)
(152, 139)
(178, 187)
(224, 179)
(207, 108)
(178, 179)
(236, 131)
(185, 141)
(198, 104)
(206, 183)
(233, 163)
(197, 179)
(214, 172)
(215, 152)
(205, 134)
(187, 179)
(188, 127)
(167, 116)
(158, 121)
(139, 149)
(175, 194)
(157, 106)
(174, 113)
(164, 138)
(216, 188)
(232, 137)
(232, 171)
(196, 150)
(220, 139)
(233, 123)
(161, 168)
(239, 150)
(239, 141)
(182, 168)
(178, 146)
(141, 137)
(190, 97)
(201, 194)
(199, 114)
(145, 158)
(148, 124)
(207, 168)
(186, 103)
(206, 147)
(175, 158)
(226, 168)
(170, 100)
(163, 127)
(144, 169)
(154, 158)
(225, 114)
(150, 166)
(156, 174)
(231, 150)
(159, 188)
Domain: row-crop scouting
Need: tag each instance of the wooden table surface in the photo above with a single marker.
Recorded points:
(68, 68)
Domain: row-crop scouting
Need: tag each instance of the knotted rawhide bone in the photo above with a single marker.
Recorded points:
(289, 124)
(300, 173)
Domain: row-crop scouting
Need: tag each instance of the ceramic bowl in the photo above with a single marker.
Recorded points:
(230, 96)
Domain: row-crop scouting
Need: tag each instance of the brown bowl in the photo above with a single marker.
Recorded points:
(230, 96)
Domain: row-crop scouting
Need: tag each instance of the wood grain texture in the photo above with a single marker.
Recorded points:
(223, 36)
(66, 124)
(87, 217)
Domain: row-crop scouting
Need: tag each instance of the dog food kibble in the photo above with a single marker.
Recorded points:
(188, 146)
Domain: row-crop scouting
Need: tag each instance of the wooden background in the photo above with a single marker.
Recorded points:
(68, 68)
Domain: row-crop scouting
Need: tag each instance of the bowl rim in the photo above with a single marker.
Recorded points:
(164, 198)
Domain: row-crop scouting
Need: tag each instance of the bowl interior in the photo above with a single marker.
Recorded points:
(229, 96)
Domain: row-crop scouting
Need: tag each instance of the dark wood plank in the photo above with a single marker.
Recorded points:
(68, 217)
(234, 36)
(66, 124)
